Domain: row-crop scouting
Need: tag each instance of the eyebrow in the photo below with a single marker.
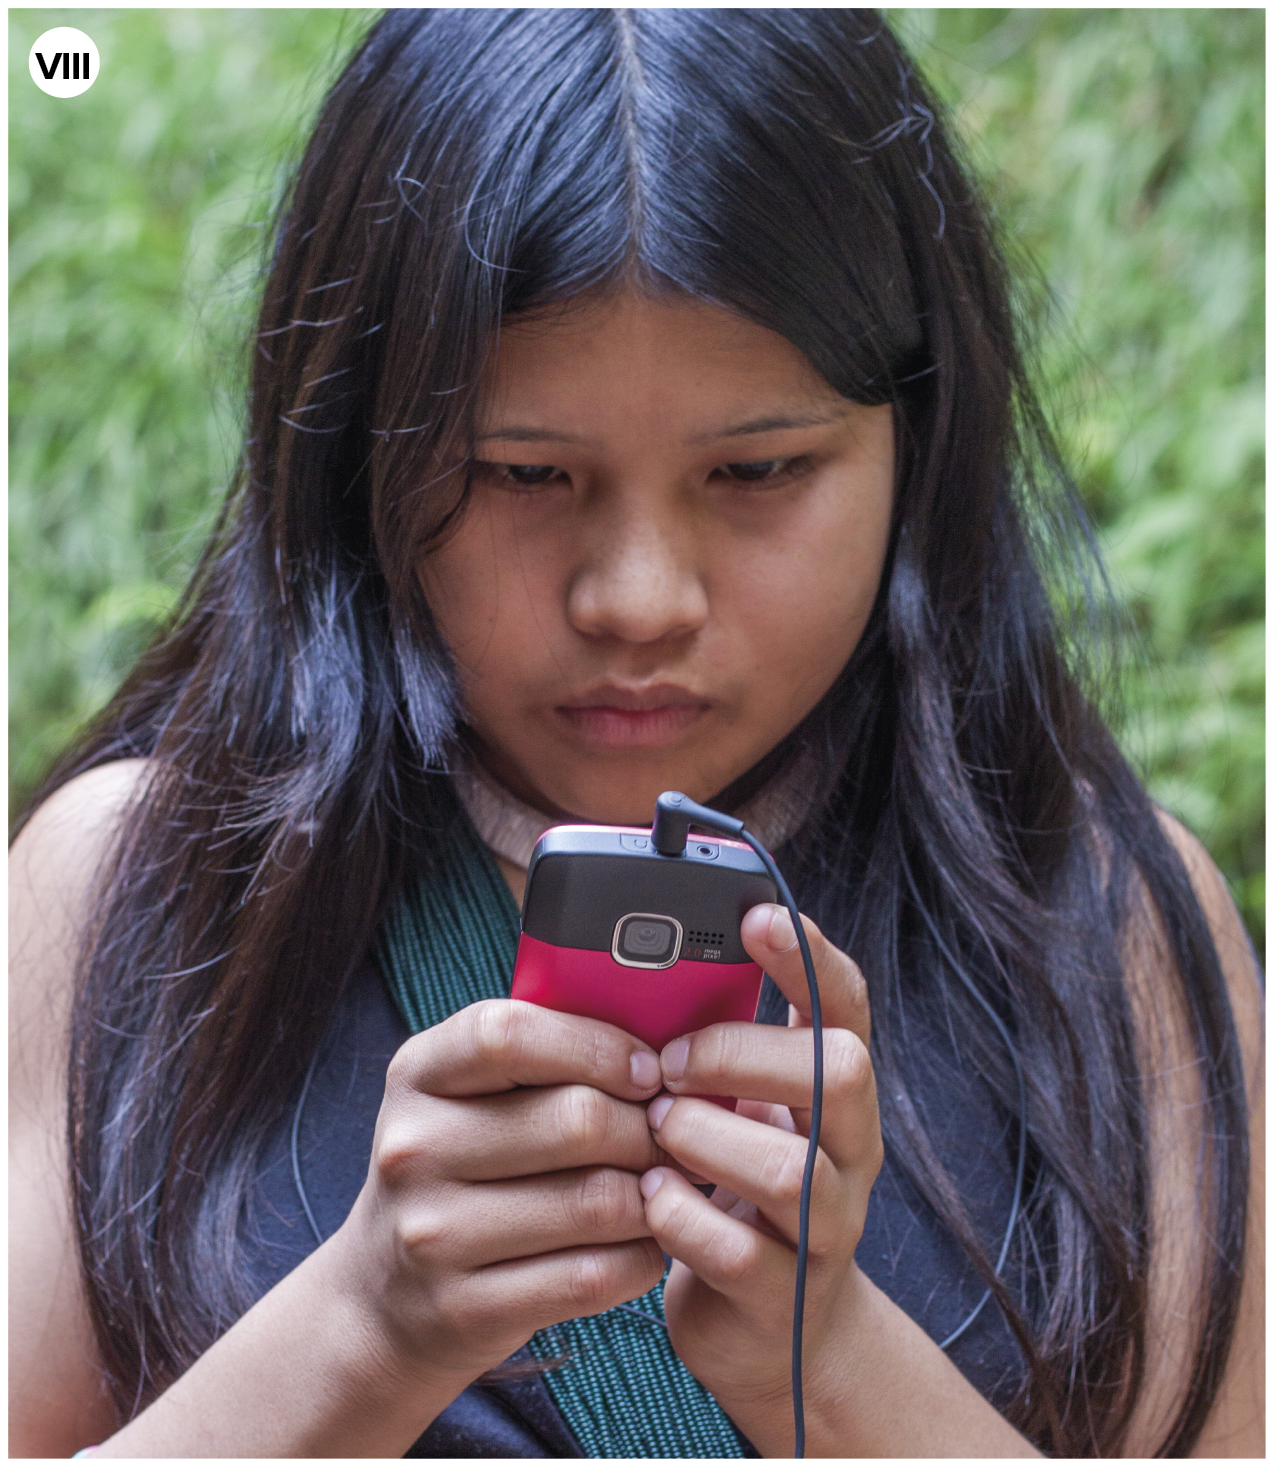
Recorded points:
(773, 424)
(524, 433)
(517, 433)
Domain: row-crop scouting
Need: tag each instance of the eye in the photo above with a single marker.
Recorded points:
(529, 473)
(766, 470)
(751, 473)
(517, 476)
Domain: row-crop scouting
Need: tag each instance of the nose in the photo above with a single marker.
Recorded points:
(640, 581)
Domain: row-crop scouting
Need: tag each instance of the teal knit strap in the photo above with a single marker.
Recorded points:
(449, 941)
(451, 938)
(623, 1391)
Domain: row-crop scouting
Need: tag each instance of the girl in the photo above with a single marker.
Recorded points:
(635, 405)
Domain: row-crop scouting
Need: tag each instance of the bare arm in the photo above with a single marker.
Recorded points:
(1235, 1426)
(868, 1365)
(58, 1400)
(876, 1385)
(502, 1196)
(56, 1403)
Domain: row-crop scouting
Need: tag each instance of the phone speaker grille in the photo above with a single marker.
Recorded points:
(706, 939)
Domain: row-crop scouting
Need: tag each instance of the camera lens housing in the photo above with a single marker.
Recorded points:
(646, 940)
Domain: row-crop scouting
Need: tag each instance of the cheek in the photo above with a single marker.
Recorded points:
(490, 595)
(465, 604)
(806, 596)
(799, 634)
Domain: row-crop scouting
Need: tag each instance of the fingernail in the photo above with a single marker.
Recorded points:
(651, 1182)
(673, 1059)
(645, 1068)
(782, 933)
(657, 1110)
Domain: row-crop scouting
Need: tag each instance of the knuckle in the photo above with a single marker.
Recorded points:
(666, 1214)
(737, 1257)
(396, 1154)
(826, 1177)
(856, 983)
(822, 949)
(494, 1023)
(591, 1279)
(601, 1203)
(425, 1233)
(581, 1116)
(717, 1051)
(783, 1172)
(847, 1067)
(835, 960)
(598, 1050)
(648, 1262)
(410, 1066)
(854, 978)
(396, 1074)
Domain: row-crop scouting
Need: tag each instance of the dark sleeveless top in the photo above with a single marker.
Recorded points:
(903, 1248)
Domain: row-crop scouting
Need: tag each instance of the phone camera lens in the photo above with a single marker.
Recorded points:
(648, 939)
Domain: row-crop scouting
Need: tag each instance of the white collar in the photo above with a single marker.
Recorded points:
(511, 827)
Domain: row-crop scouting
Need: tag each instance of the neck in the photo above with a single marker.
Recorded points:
(510, 825)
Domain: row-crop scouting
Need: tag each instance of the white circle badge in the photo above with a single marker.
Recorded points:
(64, 62)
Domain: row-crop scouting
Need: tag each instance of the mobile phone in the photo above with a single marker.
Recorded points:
(613, 930)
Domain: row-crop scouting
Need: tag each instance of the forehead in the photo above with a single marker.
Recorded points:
(671, 357)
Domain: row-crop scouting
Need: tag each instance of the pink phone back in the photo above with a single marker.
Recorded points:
(655, 1005)
(586, 883)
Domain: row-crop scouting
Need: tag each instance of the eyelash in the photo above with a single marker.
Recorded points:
(777, 471)
(505, 473)
(780, 470)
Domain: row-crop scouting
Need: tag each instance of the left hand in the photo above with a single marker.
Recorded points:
(730, 1292)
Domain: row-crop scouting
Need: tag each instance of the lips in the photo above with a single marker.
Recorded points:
(632, 718)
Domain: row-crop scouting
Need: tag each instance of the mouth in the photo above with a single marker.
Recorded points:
(628, 718)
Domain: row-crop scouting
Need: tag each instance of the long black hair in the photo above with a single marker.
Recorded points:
(980, 838)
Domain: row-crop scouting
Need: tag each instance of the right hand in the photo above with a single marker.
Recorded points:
(503, 1192)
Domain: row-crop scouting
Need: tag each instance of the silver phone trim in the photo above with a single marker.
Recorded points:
(658, 917)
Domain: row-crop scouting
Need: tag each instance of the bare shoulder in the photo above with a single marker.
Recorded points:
(1235, 1423)
(56, 1401)
(83, 813)
(1238, 962)
(52, 866)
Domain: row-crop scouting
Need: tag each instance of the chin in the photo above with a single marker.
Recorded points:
(606, 800)
(612, 809)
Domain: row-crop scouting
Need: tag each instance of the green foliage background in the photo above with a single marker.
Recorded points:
(1123, 150)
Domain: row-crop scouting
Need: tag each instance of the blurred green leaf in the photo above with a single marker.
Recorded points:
(138, 215)
(1124, 154)
(1124, 150)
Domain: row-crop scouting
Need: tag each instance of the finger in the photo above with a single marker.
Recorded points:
(770, 938)
(520, 1133)
(764, 1166)
(501, 1043)
(761, 1062)
(559, 1286)
(728, 1254)
(528, 1216)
